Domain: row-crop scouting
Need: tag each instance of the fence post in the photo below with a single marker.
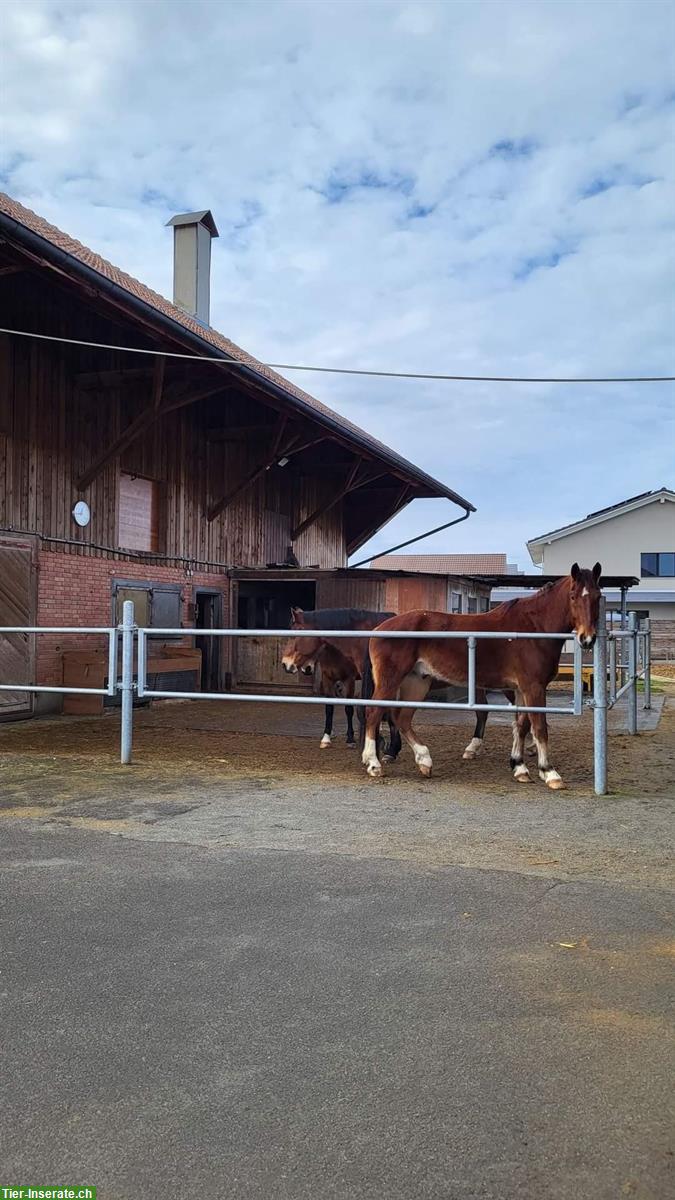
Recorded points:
(471, 670)
(600, 703)
(632, 673)
(127, 686)
(648, 663)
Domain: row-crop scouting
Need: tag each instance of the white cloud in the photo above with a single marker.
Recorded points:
(473, 187)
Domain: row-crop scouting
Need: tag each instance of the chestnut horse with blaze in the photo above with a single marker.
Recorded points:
(405, 668)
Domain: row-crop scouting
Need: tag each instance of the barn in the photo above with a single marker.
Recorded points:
(209, 492)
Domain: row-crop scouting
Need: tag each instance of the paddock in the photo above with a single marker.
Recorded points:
(252, 776)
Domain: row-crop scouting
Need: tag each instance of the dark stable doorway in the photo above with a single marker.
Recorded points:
(208, 615)
(266, 604)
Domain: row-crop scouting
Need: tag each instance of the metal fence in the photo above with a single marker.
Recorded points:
(615, 674)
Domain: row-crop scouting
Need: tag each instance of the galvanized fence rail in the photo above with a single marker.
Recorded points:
(605, 691)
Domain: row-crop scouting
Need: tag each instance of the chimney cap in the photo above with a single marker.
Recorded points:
(204, 217)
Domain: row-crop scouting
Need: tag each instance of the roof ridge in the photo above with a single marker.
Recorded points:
(62, 241)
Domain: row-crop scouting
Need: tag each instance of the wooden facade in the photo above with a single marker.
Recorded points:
(55, 419)
(191, 470)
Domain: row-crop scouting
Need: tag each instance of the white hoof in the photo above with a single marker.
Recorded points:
(326, 741)
(552, 779)
(423, 760)
(521, 773)
(472, 749)
(374, 770)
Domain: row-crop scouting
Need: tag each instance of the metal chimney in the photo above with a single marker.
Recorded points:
(192, 233)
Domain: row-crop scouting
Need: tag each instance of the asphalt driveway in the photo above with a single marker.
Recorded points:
(181, 1019)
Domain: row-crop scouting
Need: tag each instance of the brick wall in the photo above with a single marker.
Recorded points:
(76, 590)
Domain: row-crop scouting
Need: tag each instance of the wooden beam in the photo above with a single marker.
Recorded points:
(238, 433)
(111, 379)
(158, 383)
(353, 481)
(138, 426)
(278, 449)
(405, 494)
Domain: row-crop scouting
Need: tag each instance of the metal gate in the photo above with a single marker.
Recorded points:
(626, 670)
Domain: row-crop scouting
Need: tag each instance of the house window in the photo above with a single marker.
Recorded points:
(455, 602)
(473, 604)
(483, 604)
(139, 513)
(660, 564)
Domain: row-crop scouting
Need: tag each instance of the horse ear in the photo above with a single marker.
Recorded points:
(574, 571)
(297, 616)
(597, 572)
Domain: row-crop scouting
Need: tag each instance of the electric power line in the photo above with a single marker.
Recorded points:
(235, 362)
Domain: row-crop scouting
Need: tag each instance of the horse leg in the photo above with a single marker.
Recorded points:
(327, 738)
(476, 742)
(385, 688)
(540, 734)
(414, 687)
(521, 726)
(370, 757)
(349, 712)
(394, 748)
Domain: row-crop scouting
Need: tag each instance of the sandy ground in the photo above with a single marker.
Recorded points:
(251, 776)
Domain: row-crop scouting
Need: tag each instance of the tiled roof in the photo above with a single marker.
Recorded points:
(444, 564)
(210, 337)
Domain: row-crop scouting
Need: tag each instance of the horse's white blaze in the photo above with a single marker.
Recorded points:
(473, 748)
(585, 592)
(326, 741)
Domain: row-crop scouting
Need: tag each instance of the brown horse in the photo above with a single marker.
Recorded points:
(341, 662)
(334, 673)
(405, 668)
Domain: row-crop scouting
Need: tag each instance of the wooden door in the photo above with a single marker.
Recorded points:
(257, 661)
(17, 607)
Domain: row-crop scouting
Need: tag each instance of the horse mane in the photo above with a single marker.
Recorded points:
(342, 618)
(530, 601)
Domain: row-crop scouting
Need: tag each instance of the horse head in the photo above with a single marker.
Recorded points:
(585, 602)
(300, 654)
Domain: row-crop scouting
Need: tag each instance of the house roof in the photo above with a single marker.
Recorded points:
(535, 545)
(21, 223)
(444, 564)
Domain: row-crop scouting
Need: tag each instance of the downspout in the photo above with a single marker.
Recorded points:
(419, 537)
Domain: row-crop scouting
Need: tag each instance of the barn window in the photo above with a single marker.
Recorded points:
(455, 602)
(473, 604)
(139, 513)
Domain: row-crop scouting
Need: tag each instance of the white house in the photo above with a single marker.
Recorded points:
(635, 537)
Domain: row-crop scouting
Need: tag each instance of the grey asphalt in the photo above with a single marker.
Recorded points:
(183, 1020)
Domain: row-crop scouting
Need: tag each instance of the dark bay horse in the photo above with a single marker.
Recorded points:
(341, 662)
(405, 668)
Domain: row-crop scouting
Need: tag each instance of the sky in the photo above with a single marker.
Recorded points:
(470, 188)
